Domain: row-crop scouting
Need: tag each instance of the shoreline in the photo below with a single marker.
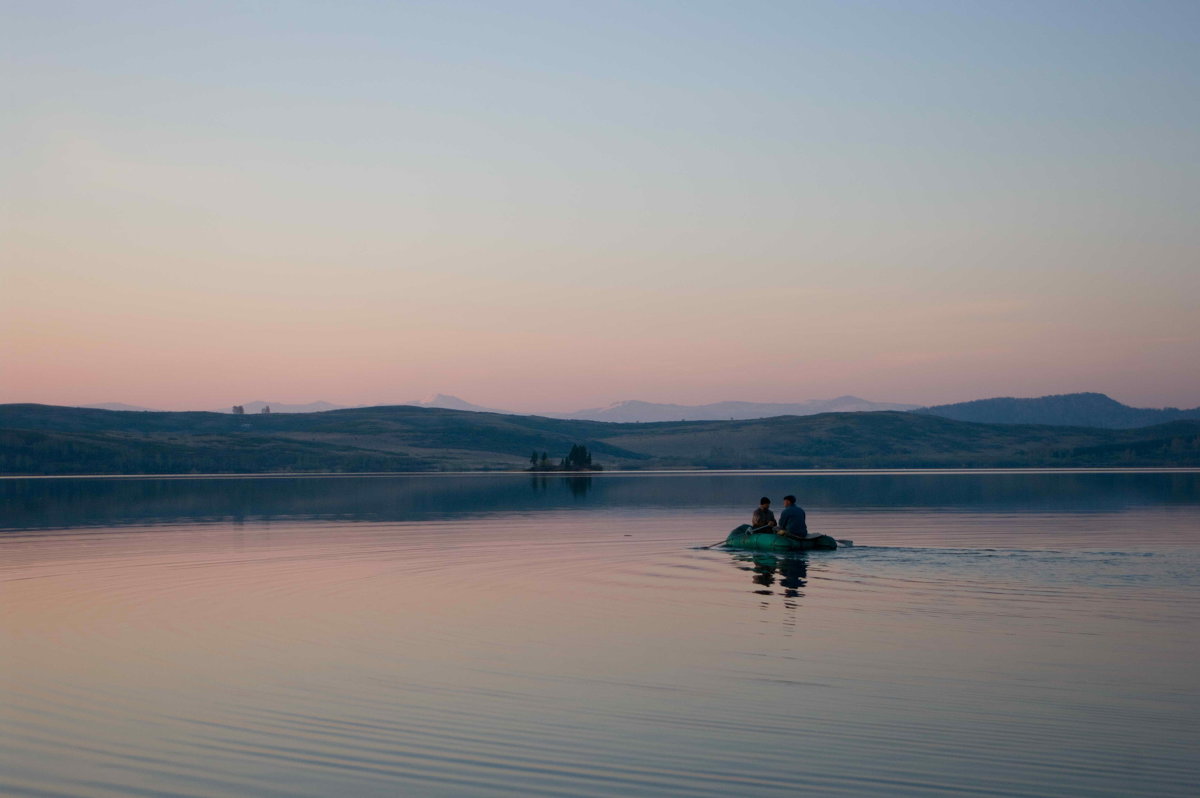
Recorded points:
(629, 473)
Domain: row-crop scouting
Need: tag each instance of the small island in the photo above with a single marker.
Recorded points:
(578, 459)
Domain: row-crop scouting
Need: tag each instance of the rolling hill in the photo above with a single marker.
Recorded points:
(42, 439)
(1069, 410)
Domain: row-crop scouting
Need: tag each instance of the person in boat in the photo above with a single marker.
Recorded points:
(763, 517)
(791, 520)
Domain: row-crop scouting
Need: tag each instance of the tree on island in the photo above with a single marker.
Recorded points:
(239, 410)
(578, 459)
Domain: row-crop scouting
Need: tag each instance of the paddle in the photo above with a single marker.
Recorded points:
(793, 536)
(722, 542)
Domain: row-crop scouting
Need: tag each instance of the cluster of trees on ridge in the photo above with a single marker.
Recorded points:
(240, 410)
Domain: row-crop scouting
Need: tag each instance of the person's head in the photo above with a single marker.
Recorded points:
(764, 502)
(789, 500)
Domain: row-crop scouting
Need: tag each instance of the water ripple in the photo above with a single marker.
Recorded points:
(595, 654)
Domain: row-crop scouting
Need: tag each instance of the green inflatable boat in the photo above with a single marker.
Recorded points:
(744, 538)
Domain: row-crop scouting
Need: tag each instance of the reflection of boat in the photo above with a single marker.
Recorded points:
(744, 538)
(790, 572)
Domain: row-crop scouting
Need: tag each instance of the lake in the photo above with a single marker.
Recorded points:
(989, 634)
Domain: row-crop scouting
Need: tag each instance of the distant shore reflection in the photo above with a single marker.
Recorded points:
(578, 485)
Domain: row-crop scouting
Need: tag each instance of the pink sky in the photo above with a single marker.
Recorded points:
(554, 208)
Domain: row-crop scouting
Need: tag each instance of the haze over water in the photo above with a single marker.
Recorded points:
(988, 634)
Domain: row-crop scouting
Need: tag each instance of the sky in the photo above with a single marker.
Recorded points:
(556, 205)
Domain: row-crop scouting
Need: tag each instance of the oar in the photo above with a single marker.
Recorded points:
(722, 542)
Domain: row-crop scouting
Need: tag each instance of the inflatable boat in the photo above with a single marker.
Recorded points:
(745, 538)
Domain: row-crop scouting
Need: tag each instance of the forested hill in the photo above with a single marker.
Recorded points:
(1064, 410)
(42, 439)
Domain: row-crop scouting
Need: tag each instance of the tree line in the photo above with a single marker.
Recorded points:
(578, 459)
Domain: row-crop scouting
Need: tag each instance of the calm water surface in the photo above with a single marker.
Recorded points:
(989, 634)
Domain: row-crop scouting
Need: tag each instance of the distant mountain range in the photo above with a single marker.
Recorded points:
(250, 407)
(1072, 410)
(1063, 410)
(280, 407)
(447, 402)
(42, 439)
(633, 411)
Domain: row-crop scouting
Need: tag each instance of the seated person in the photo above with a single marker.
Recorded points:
(791, 520)
(763, 517)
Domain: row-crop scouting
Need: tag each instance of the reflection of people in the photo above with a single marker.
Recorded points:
(764, 572)
(763, 517)
(792, 573)
(791, 520)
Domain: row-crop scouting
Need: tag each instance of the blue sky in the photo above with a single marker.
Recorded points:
(555, 205)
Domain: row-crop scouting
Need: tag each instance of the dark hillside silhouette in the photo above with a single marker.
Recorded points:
(43, 439)
(1064, 410)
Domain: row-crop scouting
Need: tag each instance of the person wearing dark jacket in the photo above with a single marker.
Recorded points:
(791, 520)
(763, 517)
